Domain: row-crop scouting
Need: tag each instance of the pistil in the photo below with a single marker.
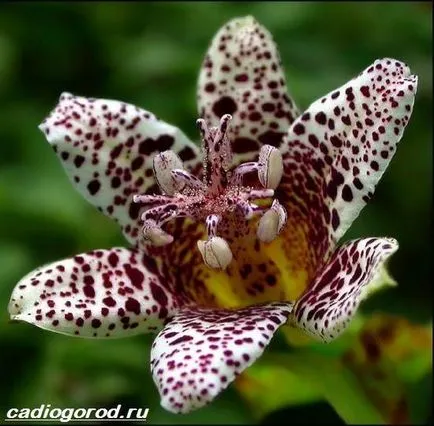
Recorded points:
(216, 198)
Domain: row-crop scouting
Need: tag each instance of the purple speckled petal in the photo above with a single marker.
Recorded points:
(339, 149)
(107, 148)
(354, 270)
(102, 293)
(201, 351)
(242, 75)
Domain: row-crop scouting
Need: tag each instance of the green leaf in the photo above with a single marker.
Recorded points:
(257, 386)
(370, 375)
(334, 382)
(389, 357)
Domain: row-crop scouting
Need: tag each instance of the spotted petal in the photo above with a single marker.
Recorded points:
(107, 147)
(330, 302)
(201, 351)
(242, 75)
(102, 293)
(339, 149)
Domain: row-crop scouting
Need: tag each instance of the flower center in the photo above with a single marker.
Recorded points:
(219, 199)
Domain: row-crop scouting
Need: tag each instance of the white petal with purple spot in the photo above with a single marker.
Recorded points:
(201, 351)
(107, 149)
(102, 293)
(242, 75)
(340, 147)
(330, 302)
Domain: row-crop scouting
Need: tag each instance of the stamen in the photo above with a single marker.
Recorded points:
(257, 194)
(215, 252)
(211, 224)
(163, 165)
(270, 166)
(154, 218)
(162, 214)
(271, 223)
(152, 199)
(250, 210)
(153, 234)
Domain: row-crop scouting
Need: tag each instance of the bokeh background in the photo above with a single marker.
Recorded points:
(149, 54)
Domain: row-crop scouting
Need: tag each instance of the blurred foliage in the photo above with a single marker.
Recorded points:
(369, 376)
(149, 54)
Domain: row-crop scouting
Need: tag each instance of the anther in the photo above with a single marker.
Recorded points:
(270, 168)
(215, 252)
(163, 165)
(153, 234)
(271, 223)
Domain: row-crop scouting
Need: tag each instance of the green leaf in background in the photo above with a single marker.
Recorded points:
(331, 381)
(88, 373)
(368, 376)
(258, 386)
(388, 355)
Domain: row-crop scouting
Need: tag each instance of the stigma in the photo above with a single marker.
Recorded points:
(219, 200)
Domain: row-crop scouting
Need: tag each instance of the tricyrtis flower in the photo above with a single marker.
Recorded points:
(231, 243)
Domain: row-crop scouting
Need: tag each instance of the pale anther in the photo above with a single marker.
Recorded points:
(271, 223)
(163, 165)
(153, 234)
(215, 252)
(270, 168)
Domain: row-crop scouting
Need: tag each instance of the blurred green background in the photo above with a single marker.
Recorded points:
(149, 54)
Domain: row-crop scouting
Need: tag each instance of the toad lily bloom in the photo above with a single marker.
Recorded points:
(229, 244)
